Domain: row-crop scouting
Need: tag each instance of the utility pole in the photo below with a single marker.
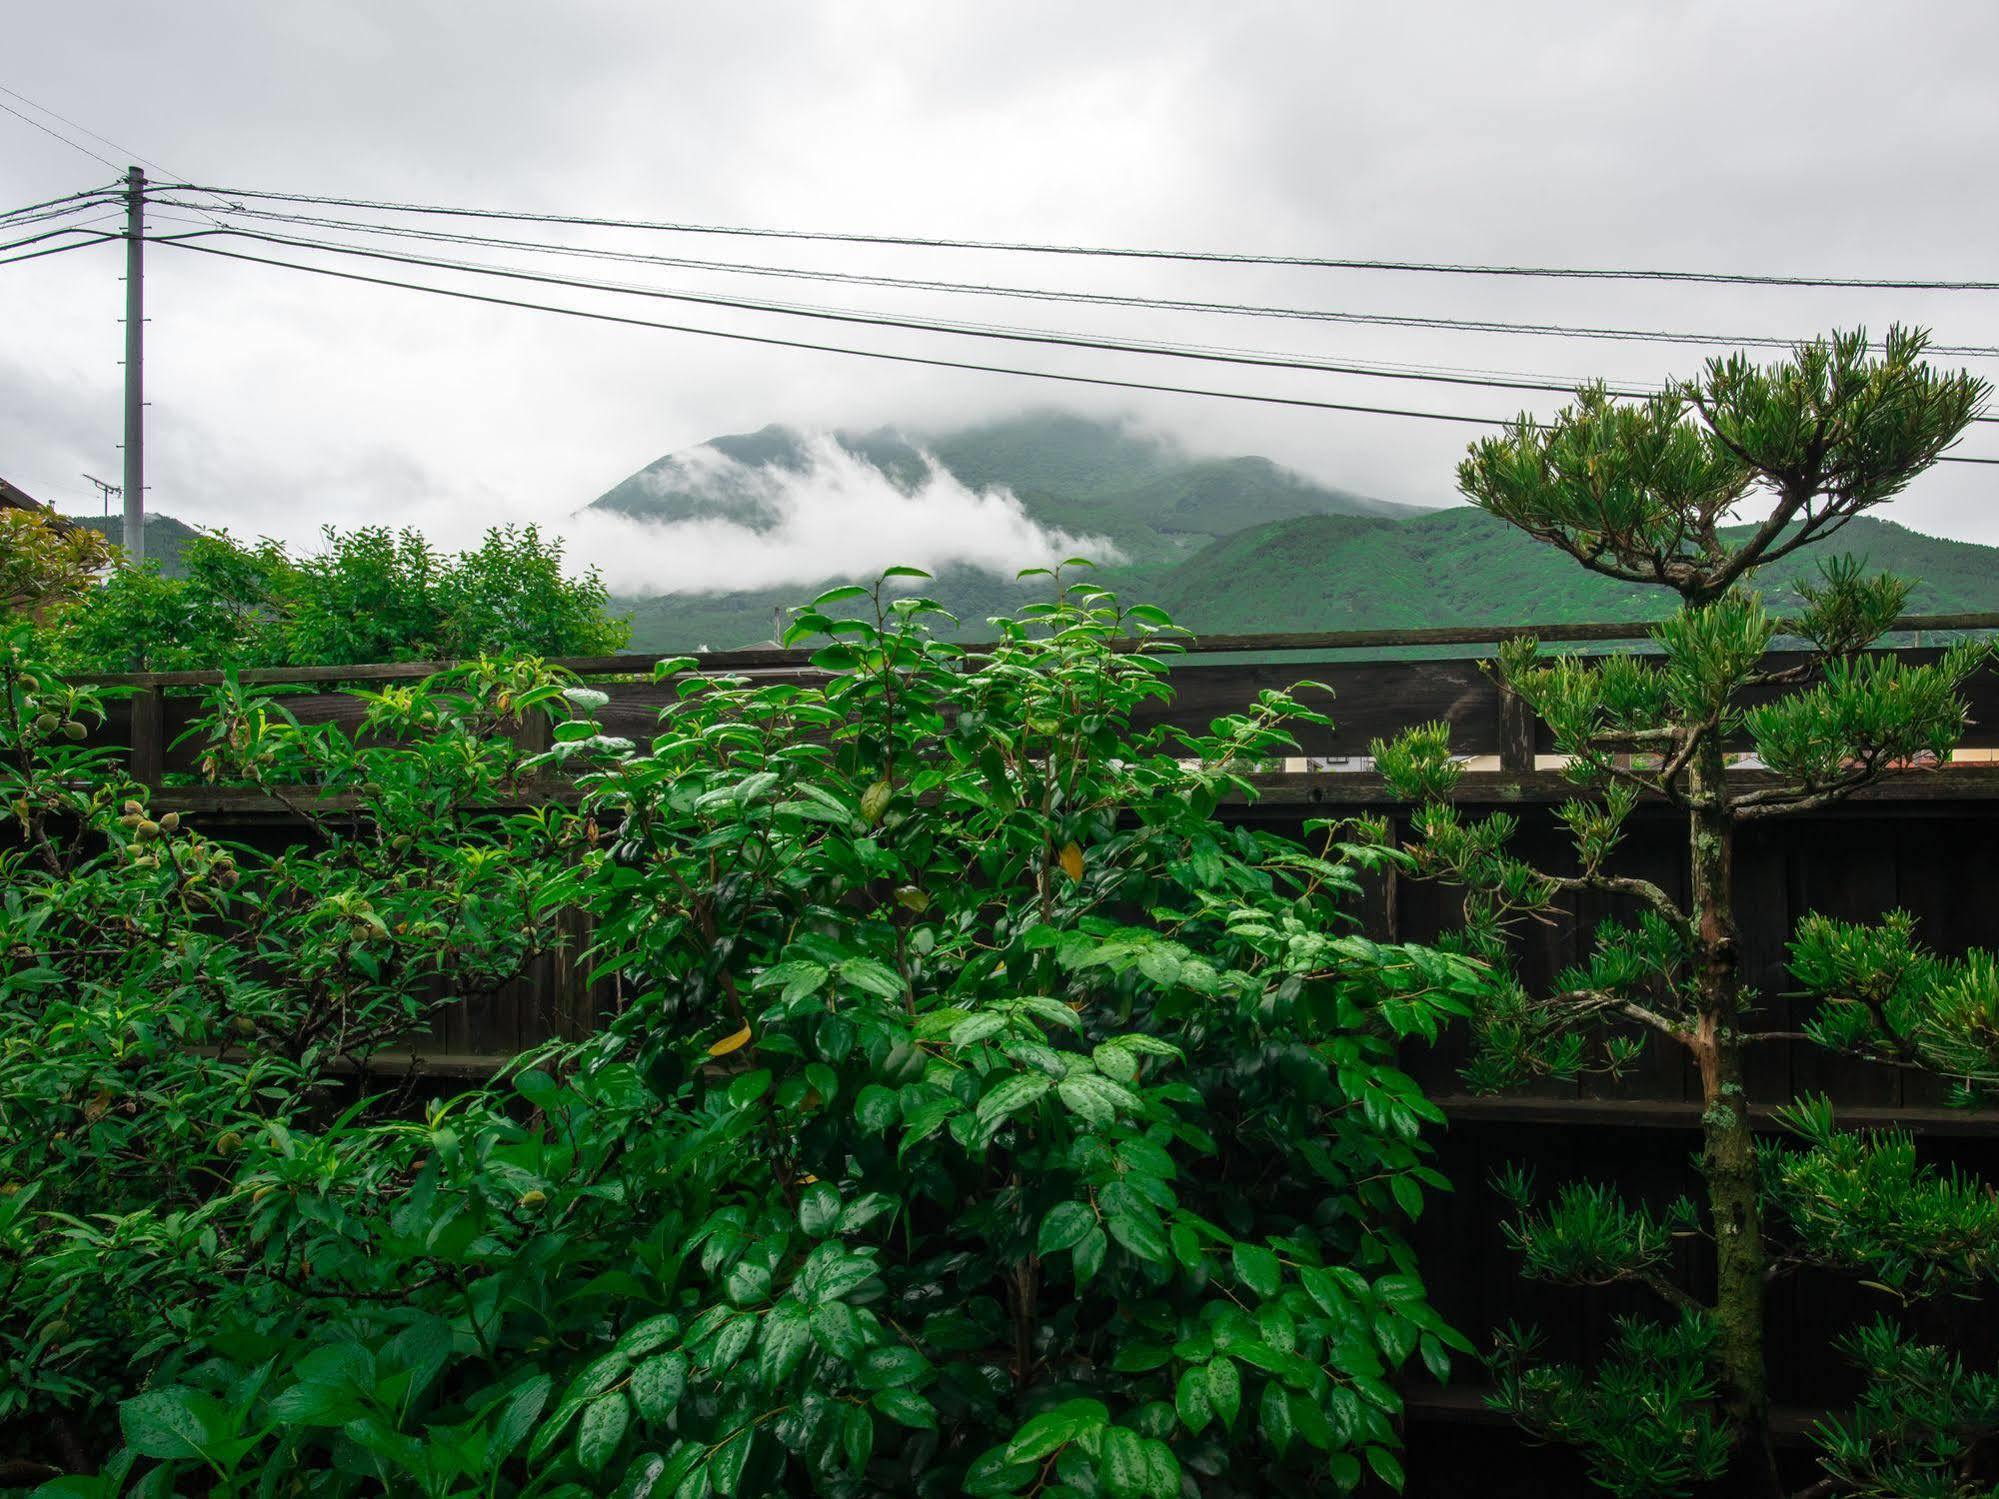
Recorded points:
(135, 364)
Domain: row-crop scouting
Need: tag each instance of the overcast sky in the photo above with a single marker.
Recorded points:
(1832, 139)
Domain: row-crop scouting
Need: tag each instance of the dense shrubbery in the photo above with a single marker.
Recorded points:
(982, 1115)
(366, 595)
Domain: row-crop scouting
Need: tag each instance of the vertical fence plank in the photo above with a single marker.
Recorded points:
(149, 736)
(1517, 728)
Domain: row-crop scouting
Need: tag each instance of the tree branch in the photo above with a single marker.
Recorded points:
(1644, 890)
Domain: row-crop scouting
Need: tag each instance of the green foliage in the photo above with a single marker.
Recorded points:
(1918, 1426)
(1861, 1201)
(173, 1005)
(1644, 1416)
(368, 595)
(1588, 1236)
(1638, 492)
(981, 1116)
(1882, 994)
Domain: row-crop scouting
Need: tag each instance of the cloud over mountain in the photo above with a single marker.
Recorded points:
(724, 522)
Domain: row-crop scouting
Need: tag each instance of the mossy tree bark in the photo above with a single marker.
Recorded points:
(1728, 1156)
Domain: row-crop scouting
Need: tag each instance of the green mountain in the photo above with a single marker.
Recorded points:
(1229, 545)
(1462, 567)
(1141, 490)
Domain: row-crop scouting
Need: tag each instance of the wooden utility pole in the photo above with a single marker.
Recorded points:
(135, 364)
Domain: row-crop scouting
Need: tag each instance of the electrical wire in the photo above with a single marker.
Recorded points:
(83, 228)
(129, 153)
(606, 317)
(1251, 358)
(1048, 294)
(1255, 358)
(29, 213)
(50, 130)
(82, 244)
(792, 343)
(1208, 256)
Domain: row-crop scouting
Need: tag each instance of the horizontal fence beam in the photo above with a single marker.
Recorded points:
(774, 659)
(1354, 790)
(1461, 1109)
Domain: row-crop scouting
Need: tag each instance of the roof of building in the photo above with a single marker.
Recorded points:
(13, 497)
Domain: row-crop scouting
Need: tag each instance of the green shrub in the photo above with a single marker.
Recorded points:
(982, 1116)
(369, 594)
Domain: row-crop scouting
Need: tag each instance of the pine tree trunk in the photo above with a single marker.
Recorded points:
(1728, 1157)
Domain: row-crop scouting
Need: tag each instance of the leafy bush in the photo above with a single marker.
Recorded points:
(368, 595)
(983, 1116)
(168, 1001)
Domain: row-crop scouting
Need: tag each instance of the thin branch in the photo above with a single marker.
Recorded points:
(1673, 1295)
(1587, 1001)
(1644, 890)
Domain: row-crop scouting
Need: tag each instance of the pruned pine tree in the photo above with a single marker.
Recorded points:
(1694, 490)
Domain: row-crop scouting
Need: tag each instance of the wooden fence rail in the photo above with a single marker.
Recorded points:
(1218, 674)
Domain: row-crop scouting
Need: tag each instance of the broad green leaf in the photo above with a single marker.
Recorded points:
(1224, 1389)
(787, 1334)
(601, 1430)
(1140, 1233)
(862, 1211)
(518, 1415)
(1088, 1257)
(642, 1338)
(892, 1366)
(641, 1476)
(1258, 1268)
(875, 1108)
(1013, 1094)
(1126, 1472)
(1050, 1430)
(1064, 1227)
(905, 1407)
(657, 1385)
(1190, 1399)
(169, 1423)
(725, 1468)
(1386, 1467)
(1274, 1417)
(819, 1209)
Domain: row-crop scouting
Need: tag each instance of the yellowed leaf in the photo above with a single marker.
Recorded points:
(730, 1043)
(875, 800)
(1072, 861)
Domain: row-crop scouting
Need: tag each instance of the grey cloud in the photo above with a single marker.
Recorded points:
(1704, 133)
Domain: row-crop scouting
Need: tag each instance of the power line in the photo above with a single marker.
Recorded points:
(1207, 256)
(83, 228)
(791, 343)
(28, 212)
(51, 130)
(106, 140)
(82, 244)
(1052, 294)
(1251, 358)
(128, 152)
(1256, 358)
(914, 359)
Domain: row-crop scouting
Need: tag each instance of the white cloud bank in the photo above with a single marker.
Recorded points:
(837, 516)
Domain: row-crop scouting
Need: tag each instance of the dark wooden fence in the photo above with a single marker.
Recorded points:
(1927, 840)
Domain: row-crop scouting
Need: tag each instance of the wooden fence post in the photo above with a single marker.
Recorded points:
(1516, 732)
(149, 736)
